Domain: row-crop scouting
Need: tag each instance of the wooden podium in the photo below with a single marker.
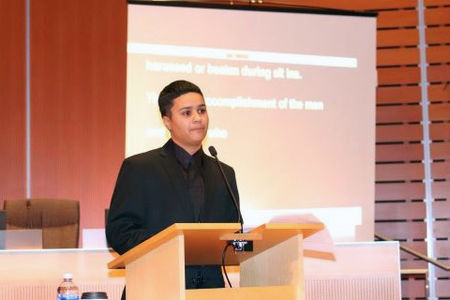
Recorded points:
(274, 270)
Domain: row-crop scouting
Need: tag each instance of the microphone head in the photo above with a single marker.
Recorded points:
(212, 151)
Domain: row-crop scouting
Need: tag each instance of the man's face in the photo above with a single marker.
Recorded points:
(188, 121)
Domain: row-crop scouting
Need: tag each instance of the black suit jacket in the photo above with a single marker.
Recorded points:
(152, 194)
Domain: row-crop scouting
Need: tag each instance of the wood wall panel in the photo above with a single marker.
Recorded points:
(443, 288)
(440, 150)
(440, 131)
(399, 152)
(438, 54)
(12, 100)
(439, 112)
(402, 230)
(400, 211)
(413, 288)
(401, 56)
(441, 209)
(439, 73)
(404, 75)
(441, 189)
(430, 3)
(399, 191)
(439, 92)
(397, 18)
(398, 94)
(399, 113)
(398, 133)
(440, 15)
(78, 116)
(443, 274)
(441, 229)
(442, 249)
(437, 35)
(394, 172)
(398, 37)
(440, 169)
(408, 261)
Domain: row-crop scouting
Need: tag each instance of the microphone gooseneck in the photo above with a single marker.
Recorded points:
(213, 152)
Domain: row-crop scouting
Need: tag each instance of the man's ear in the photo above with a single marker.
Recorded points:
(167, 122)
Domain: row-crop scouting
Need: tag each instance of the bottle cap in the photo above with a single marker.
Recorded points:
(94, 296)
(67, 275)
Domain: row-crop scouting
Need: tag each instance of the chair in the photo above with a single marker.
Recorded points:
(59, 219)
(2, 220)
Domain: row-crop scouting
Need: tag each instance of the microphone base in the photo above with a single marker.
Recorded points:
(241, 245)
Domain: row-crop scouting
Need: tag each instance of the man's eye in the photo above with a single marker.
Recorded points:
(186, 113)
(201, 110)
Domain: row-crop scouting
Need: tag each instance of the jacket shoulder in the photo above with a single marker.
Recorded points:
(145, 158)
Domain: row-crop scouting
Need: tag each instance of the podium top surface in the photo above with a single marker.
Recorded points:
(204, 242)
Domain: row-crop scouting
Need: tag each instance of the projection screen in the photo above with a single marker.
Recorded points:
(291, 101)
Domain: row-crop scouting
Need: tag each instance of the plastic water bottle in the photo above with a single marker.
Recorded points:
(67, 290)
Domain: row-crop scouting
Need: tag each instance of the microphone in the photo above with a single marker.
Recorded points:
(238, 245)
(213, 152)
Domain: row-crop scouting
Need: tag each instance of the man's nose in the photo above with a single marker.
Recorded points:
(197, 116)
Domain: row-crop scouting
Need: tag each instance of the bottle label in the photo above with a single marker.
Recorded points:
(67, 297)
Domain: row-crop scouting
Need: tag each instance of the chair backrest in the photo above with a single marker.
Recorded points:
(2, 220)
(58, 218)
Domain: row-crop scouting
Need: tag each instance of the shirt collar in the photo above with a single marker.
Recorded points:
(184, 158)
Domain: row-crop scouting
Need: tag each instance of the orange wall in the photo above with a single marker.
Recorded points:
(78, 77)
(12, 99)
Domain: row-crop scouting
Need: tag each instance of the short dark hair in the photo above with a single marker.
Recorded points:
(173, 91)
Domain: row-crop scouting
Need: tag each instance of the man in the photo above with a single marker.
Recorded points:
(177, 183)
